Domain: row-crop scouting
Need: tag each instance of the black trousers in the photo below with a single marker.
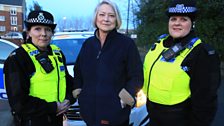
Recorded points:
(44, 120)
(126, 123)
(163, 115)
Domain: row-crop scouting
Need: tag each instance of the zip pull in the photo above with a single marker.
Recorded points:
(98, 56)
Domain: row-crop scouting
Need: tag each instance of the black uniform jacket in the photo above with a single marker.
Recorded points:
(18, 70)
(204, 70)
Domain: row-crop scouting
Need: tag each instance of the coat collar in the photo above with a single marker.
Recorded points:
(170, 41)
(109, 35)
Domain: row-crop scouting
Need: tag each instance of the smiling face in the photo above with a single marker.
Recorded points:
(179, 26)
(41, 36)
(105, 18)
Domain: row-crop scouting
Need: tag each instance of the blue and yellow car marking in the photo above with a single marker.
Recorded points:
(2, 87)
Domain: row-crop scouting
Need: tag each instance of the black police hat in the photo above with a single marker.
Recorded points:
(40, 17)
(183, 7)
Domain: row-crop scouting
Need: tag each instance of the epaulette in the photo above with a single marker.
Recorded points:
(153, 46)
(162, 37)
(210, 50)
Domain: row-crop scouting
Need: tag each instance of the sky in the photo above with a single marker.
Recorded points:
(70, 9)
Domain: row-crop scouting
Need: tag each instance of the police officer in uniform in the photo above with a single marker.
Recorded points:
(181, 73)
(37, 82)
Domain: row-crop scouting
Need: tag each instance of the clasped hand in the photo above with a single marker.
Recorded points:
(62, 106)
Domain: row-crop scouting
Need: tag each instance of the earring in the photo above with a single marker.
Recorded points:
(193, 25)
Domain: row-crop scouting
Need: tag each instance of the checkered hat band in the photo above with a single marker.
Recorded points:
(182, 10)
(44, 21)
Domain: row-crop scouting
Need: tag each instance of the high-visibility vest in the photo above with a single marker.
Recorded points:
(166, 82)
(51, 86)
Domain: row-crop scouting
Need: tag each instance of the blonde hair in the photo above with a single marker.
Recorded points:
(114, 7)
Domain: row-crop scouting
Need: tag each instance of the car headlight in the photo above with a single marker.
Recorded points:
(141, 99)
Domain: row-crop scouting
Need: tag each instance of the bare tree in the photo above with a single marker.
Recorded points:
(35, 6)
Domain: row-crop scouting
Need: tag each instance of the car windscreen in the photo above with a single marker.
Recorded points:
(5, 50)
(70, 48)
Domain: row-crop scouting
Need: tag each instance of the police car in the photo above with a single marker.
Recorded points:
(6, 47)
(70, 43)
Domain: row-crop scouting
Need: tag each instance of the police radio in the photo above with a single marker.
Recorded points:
(45, 62)
(177, 48)
(172, 52)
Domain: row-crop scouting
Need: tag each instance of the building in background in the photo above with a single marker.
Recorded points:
(12, 14)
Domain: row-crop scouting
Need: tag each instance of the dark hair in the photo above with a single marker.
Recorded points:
(24, 34)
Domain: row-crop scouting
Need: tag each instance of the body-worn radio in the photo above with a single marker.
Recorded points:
(45, 62)
(172, 52)
(177, 48)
